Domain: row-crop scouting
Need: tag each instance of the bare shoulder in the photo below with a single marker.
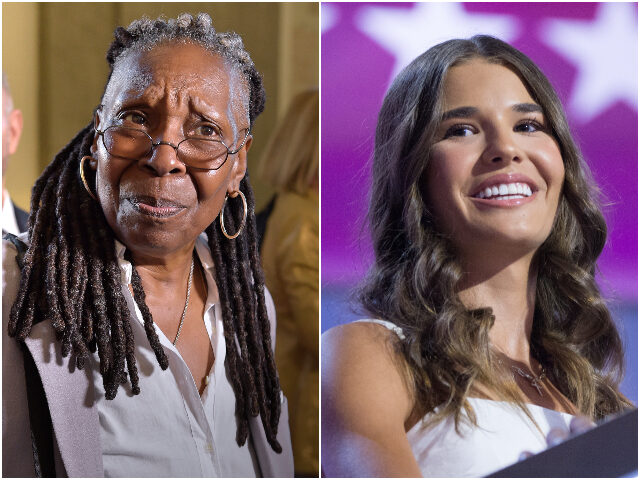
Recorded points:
(360, 361)
(366, 401)
(358, 348)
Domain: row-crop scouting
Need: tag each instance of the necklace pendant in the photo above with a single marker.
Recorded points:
(536, 385)
(534, 381)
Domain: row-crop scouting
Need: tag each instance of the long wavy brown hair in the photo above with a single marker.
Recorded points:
(414, 280)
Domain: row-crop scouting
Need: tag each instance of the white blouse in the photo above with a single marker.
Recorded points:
(169, 430)
(502, 434)
(9, 222)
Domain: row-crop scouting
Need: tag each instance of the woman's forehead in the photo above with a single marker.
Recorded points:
(182, 64)
(178, 69)
(478, 80)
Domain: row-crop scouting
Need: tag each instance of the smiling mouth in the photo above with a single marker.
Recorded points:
(156, 207)
(505, 191)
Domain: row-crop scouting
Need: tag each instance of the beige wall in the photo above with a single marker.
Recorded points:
(21, 65)
(54, 55)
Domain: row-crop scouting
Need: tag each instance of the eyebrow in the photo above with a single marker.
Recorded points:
(460, 112)
(464, 112)
(527, 108)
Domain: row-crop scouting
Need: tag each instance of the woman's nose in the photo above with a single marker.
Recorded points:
(502, 147)
(164, 159)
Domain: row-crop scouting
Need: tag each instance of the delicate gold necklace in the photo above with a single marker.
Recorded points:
(186, 303)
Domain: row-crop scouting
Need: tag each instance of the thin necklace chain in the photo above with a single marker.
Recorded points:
(186, 304)
(534, 380)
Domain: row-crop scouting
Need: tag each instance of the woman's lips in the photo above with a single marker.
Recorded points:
(505, 190)
(156, 207)
(505, 183)
(507, 201)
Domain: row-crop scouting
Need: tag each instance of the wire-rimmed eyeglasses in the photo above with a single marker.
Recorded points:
(196, 152)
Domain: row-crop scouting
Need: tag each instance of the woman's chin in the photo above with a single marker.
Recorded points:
(155, 243)
(156, 236)
(511, 243)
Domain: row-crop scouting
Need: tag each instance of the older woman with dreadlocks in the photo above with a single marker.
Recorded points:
(488, 335)
(140, 267)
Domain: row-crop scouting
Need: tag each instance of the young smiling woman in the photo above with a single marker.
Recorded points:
(493, 136)
(488, 329)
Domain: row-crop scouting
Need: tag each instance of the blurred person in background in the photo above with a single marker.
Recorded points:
(14, 219)
(290, 262)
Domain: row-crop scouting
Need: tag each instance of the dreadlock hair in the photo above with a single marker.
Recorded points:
(71, 277)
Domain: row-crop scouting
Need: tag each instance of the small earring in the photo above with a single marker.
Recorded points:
(84, 180)
(244, 216)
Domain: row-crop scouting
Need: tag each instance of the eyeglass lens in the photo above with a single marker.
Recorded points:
(133, 144)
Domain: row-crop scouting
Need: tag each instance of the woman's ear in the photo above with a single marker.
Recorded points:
(247, 143)
(94, 146)
(15, 129)
(239, 167)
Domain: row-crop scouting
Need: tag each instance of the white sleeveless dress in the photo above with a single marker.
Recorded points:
(502, 434)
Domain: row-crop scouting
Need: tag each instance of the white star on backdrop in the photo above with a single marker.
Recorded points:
(406, 33)
(329, 17)
(605, 52)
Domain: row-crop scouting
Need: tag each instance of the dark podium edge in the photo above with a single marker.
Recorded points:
(609, 450)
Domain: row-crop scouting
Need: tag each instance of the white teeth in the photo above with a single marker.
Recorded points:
(505, 191)
(509, 197)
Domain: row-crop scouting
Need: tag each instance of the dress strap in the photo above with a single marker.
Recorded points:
(387, 324)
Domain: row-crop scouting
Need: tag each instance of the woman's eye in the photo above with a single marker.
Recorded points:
(529, 126)
(134, 118)
(459, 131)
(207, 131)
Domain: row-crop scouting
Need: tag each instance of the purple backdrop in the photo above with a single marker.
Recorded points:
(588, 51)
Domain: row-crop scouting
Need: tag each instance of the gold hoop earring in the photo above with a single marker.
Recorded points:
(244, 216)
(84, 180)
